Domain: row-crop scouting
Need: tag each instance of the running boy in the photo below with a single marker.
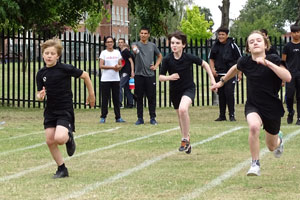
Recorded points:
(263, 106)
(179, 66)
(54, 81)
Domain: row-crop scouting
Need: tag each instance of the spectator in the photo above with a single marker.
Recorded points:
(145, 81)
(126, 73)
(223, 55)
(110, 64)
(272, 49)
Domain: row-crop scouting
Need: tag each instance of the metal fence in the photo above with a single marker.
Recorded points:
(20, 59)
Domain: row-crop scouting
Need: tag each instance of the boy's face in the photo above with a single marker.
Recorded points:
(144, 35)
(121, 43)
(176, 45)
(222, 36)
(50, 56)
(256, 43)
(296, 35)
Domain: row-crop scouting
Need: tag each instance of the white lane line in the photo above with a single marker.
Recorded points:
(43, 143)
(33, 169)
(233, 171)
(143, 165)
(24, 135)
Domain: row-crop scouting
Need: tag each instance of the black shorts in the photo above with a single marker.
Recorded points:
(272, 126)
(177, 95)
(65, 118)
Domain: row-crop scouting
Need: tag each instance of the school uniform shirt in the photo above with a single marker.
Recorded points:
(292, 52)
(111, 58)
(184, 67)
(263, 86)
(57, 82)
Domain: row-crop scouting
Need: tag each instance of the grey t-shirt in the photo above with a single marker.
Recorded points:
(145, 58)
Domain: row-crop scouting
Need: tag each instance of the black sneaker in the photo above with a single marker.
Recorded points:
(61, 173)
(290, 117)
(70, 145)
(232, 119)
(221, 119)
(185, 146)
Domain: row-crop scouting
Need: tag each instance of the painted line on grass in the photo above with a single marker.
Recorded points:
(44, 143)
(24, 135)
(33, 169)
(143, 165)
(233, 171)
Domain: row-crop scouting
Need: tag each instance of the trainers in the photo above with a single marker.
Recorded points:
(70, 145)
(290, 117)
(61, 173)
(279, 150)
(139, 121)
(221, 119)
(120, 120)
(153, 121)
(102, 120)
(298, 121)
(185, 145)
(232, 119)
(254, 169)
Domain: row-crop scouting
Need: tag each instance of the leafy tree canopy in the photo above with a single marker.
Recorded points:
(195, 26)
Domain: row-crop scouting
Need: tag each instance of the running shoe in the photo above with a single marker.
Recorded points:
(279, 150)
(185, 145)
(61, 173)
(254, 169)
(70, 145)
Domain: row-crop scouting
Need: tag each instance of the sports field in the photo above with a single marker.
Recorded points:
(128, 162)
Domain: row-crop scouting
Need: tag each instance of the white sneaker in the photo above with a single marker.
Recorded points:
(254, 170)
(279, 150)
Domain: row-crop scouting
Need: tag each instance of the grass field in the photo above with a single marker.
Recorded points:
(128, 162)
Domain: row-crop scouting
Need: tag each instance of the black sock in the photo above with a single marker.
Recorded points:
(256, 161)
(61, 167)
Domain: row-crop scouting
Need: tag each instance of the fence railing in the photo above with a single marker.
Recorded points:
(20, 59)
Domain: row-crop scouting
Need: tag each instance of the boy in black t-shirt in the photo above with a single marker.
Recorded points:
(54, 82)
(291, 55)
(263, 107)
(179, 66)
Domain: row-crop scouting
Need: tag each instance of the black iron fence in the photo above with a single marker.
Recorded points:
(20, 59)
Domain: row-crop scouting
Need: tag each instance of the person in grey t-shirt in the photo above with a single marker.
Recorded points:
(145, 81)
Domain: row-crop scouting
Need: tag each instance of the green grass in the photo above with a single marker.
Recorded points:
(171, 177)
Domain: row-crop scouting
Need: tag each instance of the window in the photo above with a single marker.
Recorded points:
(113, 15)
(121, 15)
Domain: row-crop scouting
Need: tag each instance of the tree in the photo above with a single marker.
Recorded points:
(195, 26)
(51, 16)
(208, 15)
(291, 11)
(258, 14)
(225, 13)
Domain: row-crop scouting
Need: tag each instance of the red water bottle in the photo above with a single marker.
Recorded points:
(131, 84)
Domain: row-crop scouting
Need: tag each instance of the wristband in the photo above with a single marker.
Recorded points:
(222, 79)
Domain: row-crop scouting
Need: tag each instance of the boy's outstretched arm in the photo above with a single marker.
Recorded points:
(91, 98)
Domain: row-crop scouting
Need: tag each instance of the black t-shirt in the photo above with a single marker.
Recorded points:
(292, 52)
(216, 54)
(57, 81)
(272, 50)
(263, 86)
(184, 67)
(127, 67)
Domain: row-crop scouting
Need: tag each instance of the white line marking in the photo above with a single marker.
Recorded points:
(33, 169)
(143, 165)
(19, 136)
(218, 181)
(43, 143)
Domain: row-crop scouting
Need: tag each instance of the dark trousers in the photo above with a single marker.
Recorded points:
(114, 88)
(145, 85)
(226, 97)
(124, 83)
(291, 88)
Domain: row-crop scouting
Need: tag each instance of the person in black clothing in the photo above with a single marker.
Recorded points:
(126, 73)
(272, 49)
(179, 66)
(291, 55)
(54, 83)
(263, 107)
(223, 55)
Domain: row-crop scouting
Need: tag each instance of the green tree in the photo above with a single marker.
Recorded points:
(195, 26)
(51, 16)
(208, 15)
(291, 11)
(258, 14)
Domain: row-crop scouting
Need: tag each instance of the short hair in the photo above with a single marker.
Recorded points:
(178, 35)
(54, 42)
(223, 29)
(264, 31)
(107, 37)
(144, 28)
(122, 39)
(266, 40)
(295, 28)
